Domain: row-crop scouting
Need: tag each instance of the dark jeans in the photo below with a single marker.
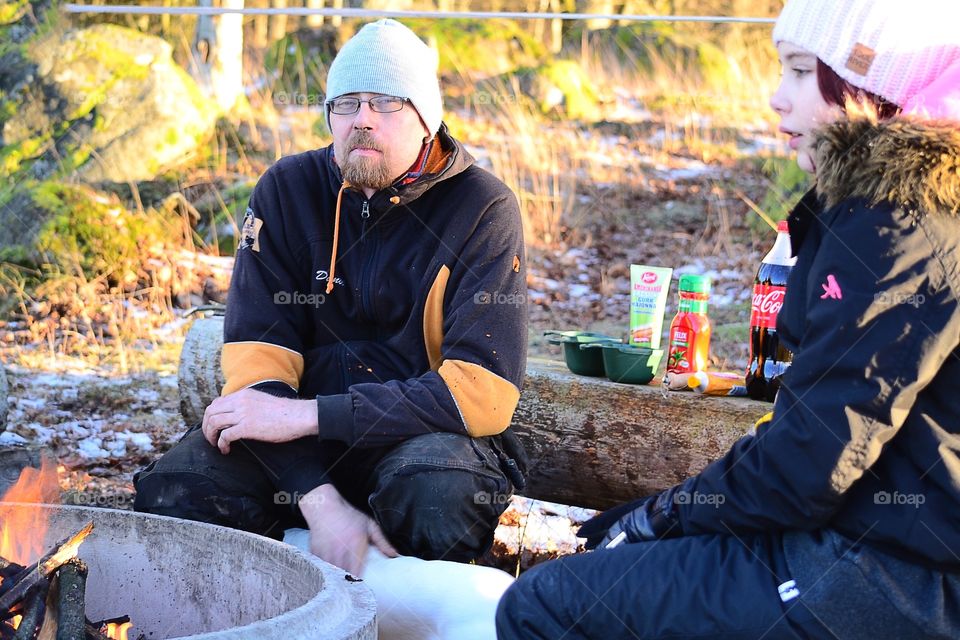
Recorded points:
(436, 496)
(721, 586)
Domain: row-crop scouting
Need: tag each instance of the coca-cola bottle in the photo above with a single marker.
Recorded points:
(768, 357)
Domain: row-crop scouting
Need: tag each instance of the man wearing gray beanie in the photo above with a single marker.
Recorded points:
(375, 335)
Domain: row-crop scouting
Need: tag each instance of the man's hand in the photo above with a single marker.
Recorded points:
(254, 415)
(339, 533)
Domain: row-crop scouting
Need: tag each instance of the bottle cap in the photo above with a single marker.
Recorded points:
(783, 227)
(695, 284)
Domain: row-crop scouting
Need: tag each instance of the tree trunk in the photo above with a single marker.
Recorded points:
(226, 72)
(591, 442)
(313, 21)
(278, 23)
(261, 25)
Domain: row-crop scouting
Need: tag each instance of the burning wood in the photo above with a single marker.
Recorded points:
(40, 572)
(71, 621)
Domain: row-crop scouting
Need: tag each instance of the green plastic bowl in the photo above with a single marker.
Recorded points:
(583, 363)
(627, 363)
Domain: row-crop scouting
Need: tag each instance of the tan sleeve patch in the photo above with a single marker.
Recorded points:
(433, 318)
(485, 400)
(516, 264)
(247, 363)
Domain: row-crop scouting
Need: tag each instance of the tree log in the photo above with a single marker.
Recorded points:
(199, 376)
(71, 621)
(591, 442)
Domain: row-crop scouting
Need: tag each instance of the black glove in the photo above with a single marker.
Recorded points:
(650, 518)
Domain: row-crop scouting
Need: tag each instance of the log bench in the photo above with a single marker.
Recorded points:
(591, 442)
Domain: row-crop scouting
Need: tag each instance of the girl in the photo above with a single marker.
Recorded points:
(840, 518)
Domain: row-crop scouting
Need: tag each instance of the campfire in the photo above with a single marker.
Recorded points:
(173, 578)
(42, 593)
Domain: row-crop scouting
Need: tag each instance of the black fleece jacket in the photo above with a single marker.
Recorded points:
(425, 327)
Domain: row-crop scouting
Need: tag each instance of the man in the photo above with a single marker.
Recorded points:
(375, 334)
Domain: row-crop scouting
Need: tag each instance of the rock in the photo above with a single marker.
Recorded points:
(130, 110)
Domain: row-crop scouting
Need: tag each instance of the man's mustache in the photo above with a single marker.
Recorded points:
(362, 139)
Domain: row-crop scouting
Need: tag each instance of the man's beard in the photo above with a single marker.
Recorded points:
(365, 172)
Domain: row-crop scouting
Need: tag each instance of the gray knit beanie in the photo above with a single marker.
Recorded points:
(387, 57)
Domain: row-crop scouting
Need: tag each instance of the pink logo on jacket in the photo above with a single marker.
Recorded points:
(831, 289)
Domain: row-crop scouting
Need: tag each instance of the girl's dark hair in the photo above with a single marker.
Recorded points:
(836, 90)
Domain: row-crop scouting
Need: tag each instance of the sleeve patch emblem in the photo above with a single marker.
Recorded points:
(250, 232)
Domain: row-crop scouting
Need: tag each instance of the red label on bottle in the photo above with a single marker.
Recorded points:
(767, 300)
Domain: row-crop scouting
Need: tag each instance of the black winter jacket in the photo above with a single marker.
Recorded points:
(865, 437)
(425, 328)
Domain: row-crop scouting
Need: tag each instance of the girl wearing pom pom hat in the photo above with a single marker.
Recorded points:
(840, 516)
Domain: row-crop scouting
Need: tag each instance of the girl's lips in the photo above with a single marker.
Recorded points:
(795, 137)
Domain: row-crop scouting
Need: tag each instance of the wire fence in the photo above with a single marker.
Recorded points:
(386, 13)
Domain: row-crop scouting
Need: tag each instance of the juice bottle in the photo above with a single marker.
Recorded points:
(690, 330)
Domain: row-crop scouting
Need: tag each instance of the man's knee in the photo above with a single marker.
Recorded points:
(195, 482)
(441, 498)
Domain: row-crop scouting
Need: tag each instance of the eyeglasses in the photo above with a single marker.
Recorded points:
(380, 104)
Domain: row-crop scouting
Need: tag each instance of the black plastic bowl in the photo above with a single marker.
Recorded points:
(581, 362)
(627, 363)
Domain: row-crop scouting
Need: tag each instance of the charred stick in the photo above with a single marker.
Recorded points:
(8, 570)
(40, 572)
(33, 611)
(71, 621)
(94, 633)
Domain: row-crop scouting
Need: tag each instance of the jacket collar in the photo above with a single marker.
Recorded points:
(457, 160)
(911, 163)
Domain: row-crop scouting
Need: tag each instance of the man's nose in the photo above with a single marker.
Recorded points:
(365, 117)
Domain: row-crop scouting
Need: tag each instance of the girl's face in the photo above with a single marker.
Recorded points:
(799, 102)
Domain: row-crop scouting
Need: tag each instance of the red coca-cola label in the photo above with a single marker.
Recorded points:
(767, 300)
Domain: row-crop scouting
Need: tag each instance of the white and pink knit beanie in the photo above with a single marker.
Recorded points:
(905, 51)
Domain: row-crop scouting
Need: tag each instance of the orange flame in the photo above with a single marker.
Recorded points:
(22, 530)
(117, 631)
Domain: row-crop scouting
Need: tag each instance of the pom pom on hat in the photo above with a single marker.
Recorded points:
(387, 57)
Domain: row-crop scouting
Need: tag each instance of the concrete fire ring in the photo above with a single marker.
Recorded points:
(182, 579)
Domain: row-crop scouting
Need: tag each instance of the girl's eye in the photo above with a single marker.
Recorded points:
(800, 72)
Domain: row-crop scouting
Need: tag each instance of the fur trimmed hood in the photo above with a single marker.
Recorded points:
(912, 163)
